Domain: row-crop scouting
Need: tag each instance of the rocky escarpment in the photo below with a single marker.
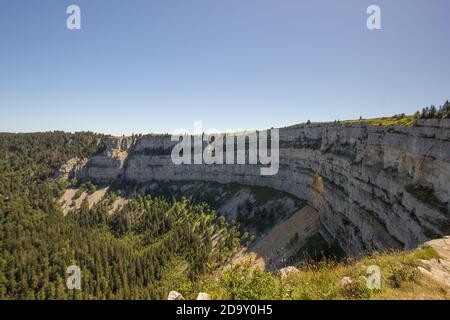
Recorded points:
(375, 188)
(108, 164)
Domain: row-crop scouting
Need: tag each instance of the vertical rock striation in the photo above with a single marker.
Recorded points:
(375, 188)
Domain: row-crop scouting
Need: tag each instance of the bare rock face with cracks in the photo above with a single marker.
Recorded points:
(374, 188)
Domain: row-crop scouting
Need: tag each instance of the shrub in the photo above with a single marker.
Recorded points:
(357, 290)
(89, 187)
(78, 194)
(112, 196)
(244, 282)
(403, 274)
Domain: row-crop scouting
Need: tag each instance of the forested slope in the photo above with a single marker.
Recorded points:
(136, 253)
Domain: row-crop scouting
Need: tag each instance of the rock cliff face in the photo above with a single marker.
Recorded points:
(375, 188)
(108, 165)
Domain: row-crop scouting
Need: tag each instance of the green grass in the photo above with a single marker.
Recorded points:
(400, 279)
(426, 253)
(399, 120)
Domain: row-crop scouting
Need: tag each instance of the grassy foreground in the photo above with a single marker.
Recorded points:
(400, 279)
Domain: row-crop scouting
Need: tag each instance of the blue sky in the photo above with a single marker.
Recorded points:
(158, 65)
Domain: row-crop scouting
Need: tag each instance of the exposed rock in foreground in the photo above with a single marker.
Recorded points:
(439, 269)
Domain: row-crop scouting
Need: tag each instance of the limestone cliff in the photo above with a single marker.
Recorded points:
(375, 188)
(108, 164)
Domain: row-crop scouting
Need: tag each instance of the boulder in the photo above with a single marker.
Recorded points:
(345, 282)
(174, 295)
(285, 272)
(203, 296)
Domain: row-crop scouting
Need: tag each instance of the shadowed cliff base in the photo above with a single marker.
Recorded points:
(294, 241)
(375, 188)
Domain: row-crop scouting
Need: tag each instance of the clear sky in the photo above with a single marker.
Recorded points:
(157, 65)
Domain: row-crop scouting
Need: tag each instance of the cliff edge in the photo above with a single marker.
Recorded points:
(375, 188)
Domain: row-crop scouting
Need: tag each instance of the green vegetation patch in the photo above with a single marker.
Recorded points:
(397, 120)
(400, 279)
(140, 252)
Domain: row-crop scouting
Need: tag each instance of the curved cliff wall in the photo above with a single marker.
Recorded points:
(375, 188)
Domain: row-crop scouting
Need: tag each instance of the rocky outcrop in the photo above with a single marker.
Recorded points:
(175, 295)
(439, 269)
(287, 271)
(375, 188)
(67, 170)
(108, 164)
